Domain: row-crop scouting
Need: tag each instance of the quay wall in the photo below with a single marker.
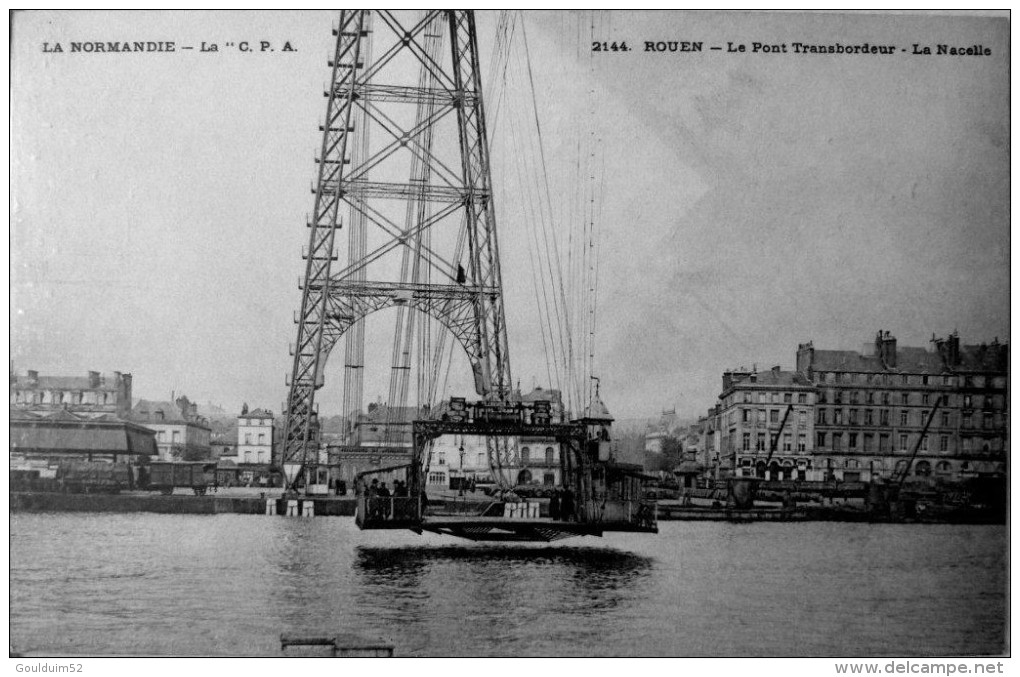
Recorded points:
(175, 505)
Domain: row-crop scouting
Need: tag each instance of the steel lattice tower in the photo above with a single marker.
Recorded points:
(404, 165)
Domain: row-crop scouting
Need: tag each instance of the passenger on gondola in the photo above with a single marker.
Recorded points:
(567, 505)
(385, 494)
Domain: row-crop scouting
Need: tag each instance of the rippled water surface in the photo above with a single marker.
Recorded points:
(231, 584)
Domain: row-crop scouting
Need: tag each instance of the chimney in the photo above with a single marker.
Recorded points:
(954, 349)
(775, 370)
(885, 347)
(33, 377)
(806, 358)
(93, 379)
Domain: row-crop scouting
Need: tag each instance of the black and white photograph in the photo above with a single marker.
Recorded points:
(509, 334)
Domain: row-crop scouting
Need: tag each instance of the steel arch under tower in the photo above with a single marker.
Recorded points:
(404, 165)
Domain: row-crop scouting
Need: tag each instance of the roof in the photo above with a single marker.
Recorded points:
(914, 360)
(597, 410)
(550, 394)
(66, 382)
(146, 411)
(64, 432)
(257, 413)
(984, 357)
(773, 378)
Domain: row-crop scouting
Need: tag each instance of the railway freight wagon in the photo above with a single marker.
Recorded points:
(165, 477)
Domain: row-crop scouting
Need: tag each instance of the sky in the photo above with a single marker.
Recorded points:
(750, 201)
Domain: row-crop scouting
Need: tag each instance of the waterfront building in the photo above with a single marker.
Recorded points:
(873, 405)
(43, 441)
(752, 409)
(181, 434)
(94, 394)
(255, 436)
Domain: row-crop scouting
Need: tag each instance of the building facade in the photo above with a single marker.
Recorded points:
(181, 434)
(873, 406)
(766, 425)
(255, 436)
(95, 394)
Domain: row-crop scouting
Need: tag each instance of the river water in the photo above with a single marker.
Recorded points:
(231, 584)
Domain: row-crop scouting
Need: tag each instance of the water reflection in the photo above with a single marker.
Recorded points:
(503, 600)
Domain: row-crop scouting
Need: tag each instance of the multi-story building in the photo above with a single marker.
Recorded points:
(181, 434)
(92, 395)
(873, 406)
(762, 411)
(255, 436)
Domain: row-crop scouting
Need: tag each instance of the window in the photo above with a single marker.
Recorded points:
(837, 417)
(262, 438)
(885, 399)
(924, 443)
(906, 379)
(871, 397)
(883, 417)
(481, 460)
(787, 442)
(838, 397)
(987, 421)
(820, 442)
(924, 417)
(548, 479)
(441, 458)
(525, 455)
(802, 418)
(924, 380)
(801, 442)
(854, 396)
(549, 454)
(775, 398)
(746, 444)
(853, 441)
(904, 417)
(176, 436)
(760, 444)
(747, 397)
(774, 416)
(905, 399)
(247, 438)
(926, 399)
(946, 380)
(945, 400)
(762, 398)
(966, 400)
(967, 420)
(883, 444)
(747, 415)
(802, 398)
(944, 443)
(945, 419)
(837, 441)
(869, 442)
(821, 417)
(161, 436)
(853, 417)
(822, 397)
(903, 441)
(761, 416)
(787, 398)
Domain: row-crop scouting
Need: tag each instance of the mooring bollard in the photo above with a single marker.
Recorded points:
(271, 506)
(292, 508)
(308, 508)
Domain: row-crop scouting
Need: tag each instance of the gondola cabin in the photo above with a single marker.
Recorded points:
(594, 495)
